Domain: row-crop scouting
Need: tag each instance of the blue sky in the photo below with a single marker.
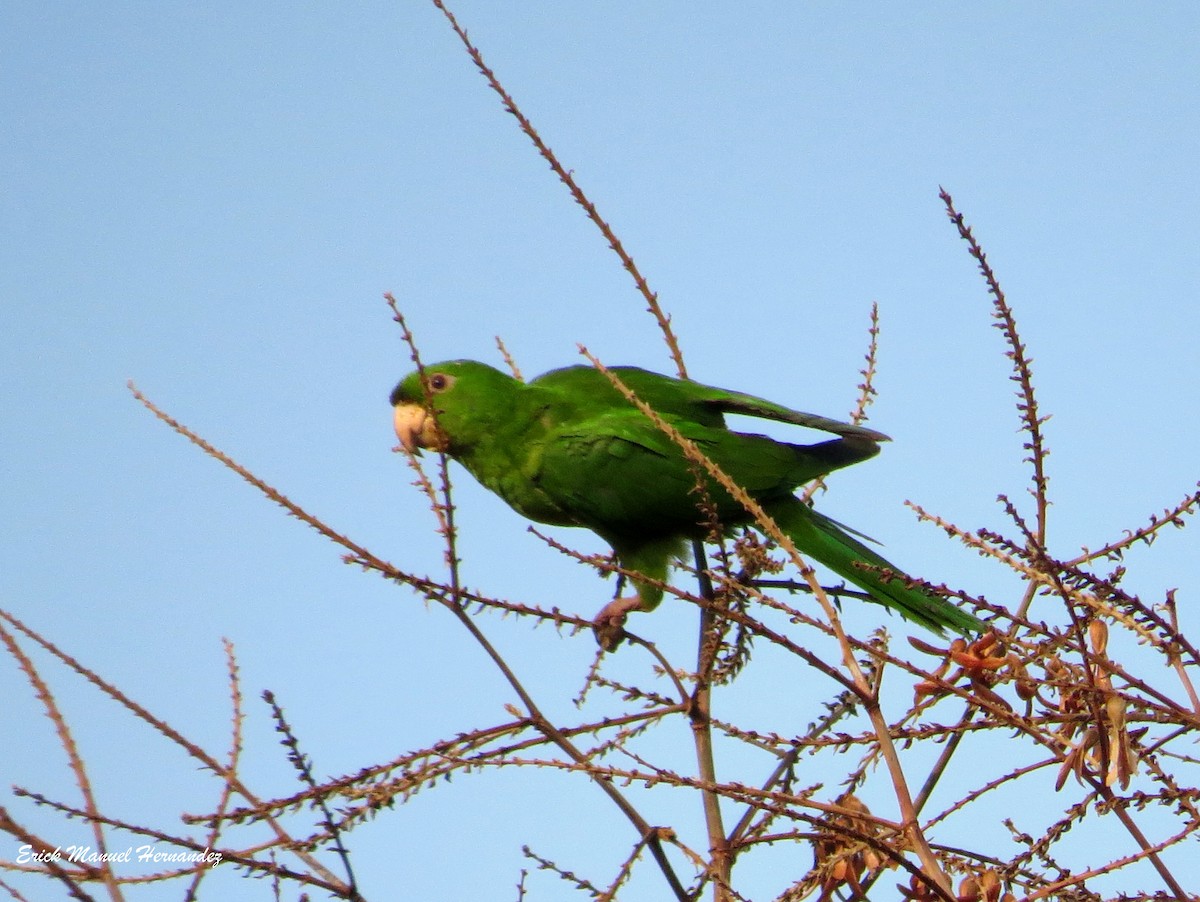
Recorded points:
(211, 200)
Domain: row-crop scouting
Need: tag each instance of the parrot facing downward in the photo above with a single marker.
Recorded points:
(568, 449)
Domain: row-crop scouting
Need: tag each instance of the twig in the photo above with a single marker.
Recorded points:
(1027, 405)
(67, 741)
(568, 179)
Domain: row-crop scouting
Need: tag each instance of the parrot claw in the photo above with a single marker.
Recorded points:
(608, 626)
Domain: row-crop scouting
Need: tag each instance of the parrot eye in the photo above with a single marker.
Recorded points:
(439, 382)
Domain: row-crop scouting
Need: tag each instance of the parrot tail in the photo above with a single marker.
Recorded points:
(832, 545)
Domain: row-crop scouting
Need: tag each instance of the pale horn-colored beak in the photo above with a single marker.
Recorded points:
(416, 429)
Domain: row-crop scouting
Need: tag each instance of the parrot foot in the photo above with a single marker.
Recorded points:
(608, 626)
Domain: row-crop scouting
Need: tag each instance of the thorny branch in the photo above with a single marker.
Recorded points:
(568, 179)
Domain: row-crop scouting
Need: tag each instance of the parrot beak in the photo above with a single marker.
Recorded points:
(416, 429)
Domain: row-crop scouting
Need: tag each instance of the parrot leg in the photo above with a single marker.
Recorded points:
(609, 625)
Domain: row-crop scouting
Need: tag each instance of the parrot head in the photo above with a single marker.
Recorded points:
(449, 406)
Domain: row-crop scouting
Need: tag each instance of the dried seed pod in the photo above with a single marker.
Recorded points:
(989, 885)
(925, 648)
(917, 890)
(969, 891)
(1123, 760)
(1026, 685)
(927, 687)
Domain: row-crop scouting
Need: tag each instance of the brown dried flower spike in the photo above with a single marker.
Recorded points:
(840, 857)
(979, 662)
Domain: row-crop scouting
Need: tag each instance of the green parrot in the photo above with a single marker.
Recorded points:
(568, 449)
